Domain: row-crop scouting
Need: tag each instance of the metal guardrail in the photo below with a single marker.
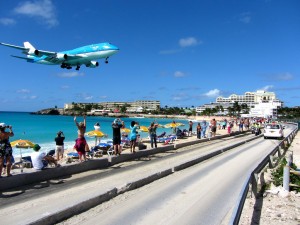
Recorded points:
(253, 176)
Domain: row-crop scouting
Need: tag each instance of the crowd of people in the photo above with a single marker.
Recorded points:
(41, 160)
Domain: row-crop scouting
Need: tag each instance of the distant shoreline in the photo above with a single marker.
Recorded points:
(132, 115)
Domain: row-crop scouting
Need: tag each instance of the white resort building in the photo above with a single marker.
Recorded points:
(261, 103)
(136, 106)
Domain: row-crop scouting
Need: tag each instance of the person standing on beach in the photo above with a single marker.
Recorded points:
(116, 126)
(190, 128)
(204, 127)
(59, 140)
(152, 133)
(229, 125)
(199, 131)
(174, 127)
(81, 145)
(97, 126)
(213, 124)
(133, 135)
(5, 148)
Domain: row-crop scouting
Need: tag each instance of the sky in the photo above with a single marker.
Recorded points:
(182, 53)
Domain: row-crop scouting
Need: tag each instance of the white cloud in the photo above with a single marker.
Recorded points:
(187, 42)
(212, 93)
(28, 97)
(7, 21)
(183, 43)
(84, 96)
(65, 87)
(88, 97)
(284, 76)
(267, 87)
(70, 74)
(180, 97)
(169, 52)
(245, 17)
(23, 91)
(179, 74)
(103, 97)
(43, 10)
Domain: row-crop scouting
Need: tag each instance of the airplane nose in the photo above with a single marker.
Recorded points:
(113, 47)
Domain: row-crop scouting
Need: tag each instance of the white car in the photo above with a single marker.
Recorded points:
(273, 131)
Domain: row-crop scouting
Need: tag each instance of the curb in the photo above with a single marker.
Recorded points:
(27, 178)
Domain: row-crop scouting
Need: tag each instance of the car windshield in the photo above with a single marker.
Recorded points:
(273, 126)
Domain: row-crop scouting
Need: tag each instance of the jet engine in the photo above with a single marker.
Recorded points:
(92, 64)
(61, 56)
(36, 52)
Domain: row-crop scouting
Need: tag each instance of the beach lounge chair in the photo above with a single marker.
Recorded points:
(74, 155)
(179, 134)
(105, 147)
(95, 152)
(161, 135)
(166, 140)
(110, 151)
(125, 142)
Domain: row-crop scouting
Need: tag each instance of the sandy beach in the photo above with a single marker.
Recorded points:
(146, 141)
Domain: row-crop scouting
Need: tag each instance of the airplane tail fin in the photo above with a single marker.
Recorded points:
(31, 50)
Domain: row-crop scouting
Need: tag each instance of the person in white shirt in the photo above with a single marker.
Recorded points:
(40, 160)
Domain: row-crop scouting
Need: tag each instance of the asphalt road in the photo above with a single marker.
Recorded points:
(203, 194)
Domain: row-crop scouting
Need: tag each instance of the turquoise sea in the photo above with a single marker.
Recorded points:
(42, 129)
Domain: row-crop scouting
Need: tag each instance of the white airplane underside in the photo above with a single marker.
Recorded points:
(86, 55)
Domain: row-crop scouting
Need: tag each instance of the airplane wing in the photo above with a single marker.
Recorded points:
(63, 57)
(29, 51)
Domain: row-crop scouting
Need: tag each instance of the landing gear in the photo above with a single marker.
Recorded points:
(64, 65)
(106, 60)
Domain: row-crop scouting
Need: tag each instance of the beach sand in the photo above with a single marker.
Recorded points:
(146, 141)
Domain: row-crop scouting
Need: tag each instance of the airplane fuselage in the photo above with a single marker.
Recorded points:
(86, 55)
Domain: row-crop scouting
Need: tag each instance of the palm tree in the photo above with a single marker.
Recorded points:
(236, 108)
(245, 108)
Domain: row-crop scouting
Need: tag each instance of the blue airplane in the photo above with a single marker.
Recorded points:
(86, 55)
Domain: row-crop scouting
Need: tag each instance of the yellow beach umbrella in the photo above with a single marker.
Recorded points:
(22, 144)
(143, 129)
(125, 130)
(95, 133)
(172, 125)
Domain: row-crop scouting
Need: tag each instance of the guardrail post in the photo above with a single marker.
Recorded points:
(289, 140)
(286, 178)
(271, 165)
(290, 159)
(254, 184)
(279, 151)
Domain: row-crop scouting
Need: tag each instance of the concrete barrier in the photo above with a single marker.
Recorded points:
(31, 176)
